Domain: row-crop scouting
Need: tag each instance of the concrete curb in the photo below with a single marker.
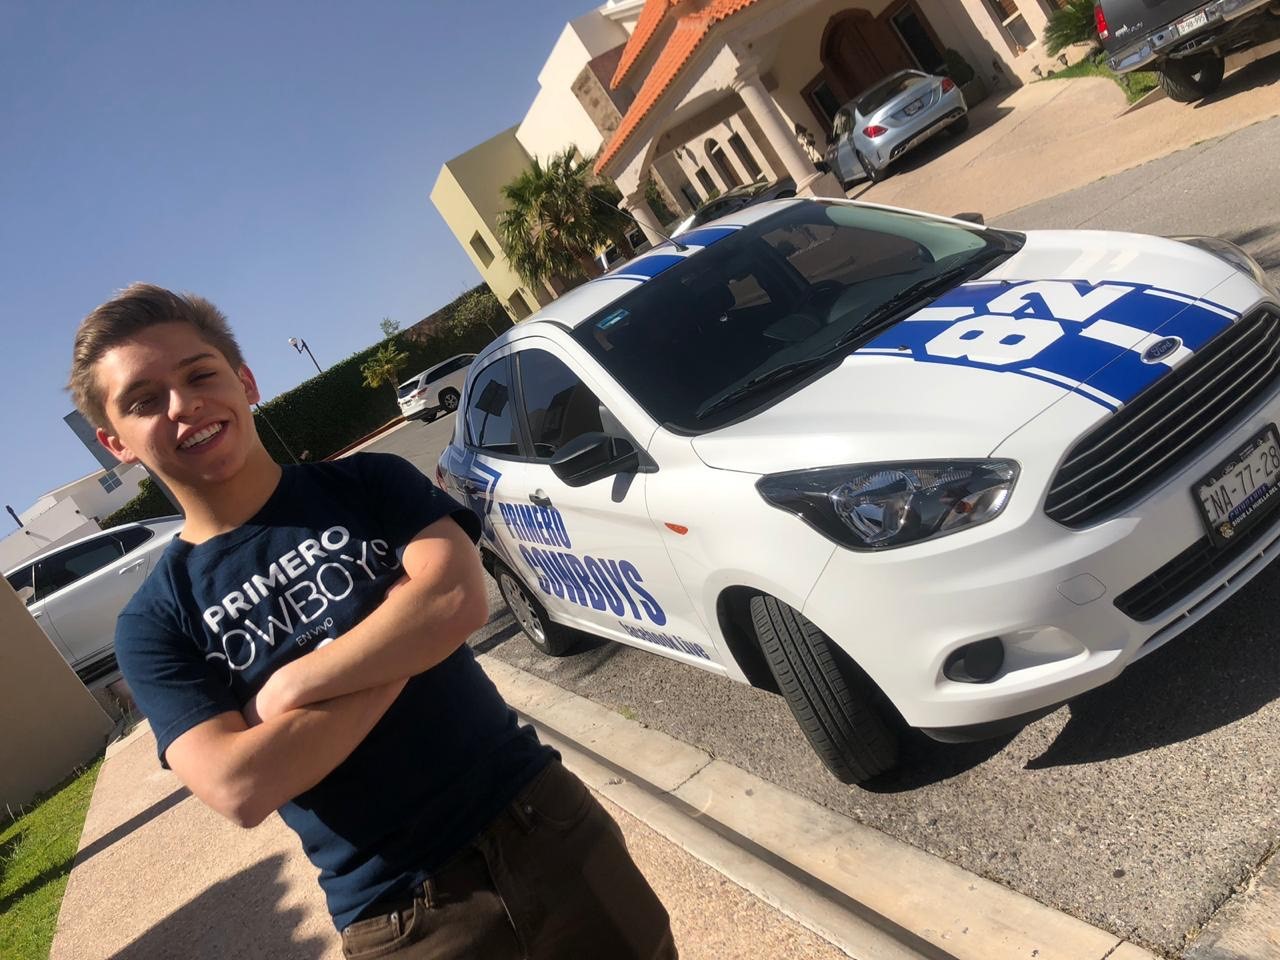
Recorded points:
(870, 895)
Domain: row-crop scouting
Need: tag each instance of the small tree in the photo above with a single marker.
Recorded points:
(384, 366)
(389, 327)
(477, 308)
(1073, 23)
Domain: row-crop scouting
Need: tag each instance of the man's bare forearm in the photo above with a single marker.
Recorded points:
(245, 772)
(425, 618)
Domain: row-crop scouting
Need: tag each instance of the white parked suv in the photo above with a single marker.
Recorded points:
(435, 390)
(76, 591)
(896, 467)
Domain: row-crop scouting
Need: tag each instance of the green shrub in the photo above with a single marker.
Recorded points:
(149, 503)
(1072, 24)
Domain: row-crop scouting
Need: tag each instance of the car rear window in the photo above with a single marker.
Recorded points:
(886, 90)
(408, 388)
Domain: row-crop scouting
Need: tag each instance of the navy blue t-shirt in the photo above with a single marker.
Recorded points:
(214, 620)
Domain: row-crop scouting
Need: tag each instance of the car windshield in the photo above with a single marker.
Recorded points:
(713, 338)
(886, 90)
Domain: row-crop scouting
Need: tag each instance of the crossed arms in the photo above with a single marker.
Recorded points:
(313, 712)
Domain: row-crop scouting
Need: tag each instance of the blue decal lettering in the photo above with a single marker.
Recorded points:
(594, 596)
(543, 583)
(611, 567)
(602, 581)
(651, 606)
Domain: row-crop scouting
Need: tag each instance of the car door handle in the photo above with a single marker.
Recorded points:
(37, 615)
(133, 566)
(539, 499)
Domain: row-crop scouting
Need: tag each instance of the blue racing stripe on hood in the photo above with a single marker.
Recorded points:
(1109, 341)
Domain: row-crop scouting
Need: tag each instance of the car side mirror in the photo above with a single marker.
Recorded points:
(594, 456)
(971, 217)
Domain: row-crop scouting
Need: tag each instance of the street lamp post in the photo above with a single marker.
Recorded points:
(299, 344)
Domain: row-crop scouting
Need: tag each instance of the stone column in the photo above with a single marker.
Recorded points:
(774, 126)
(639, 208)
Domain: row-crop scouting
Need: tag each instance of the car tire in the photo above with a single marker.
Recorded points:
(831, 699)
(531, 616)
(958, 128)
(449, 400)
(873, 174)
(1191, 78)
(429, 416)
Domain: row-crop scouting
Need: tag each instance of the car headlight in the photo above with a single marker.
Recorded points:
(1235, 255)
(881, 505)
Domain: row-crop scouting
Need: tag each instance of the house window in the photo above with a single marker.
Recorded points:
(721, 162)
(745, 158)
(110, 481)
(519, 305)
(917, 38)
(481, 249)
(708, 184)
(822, 101)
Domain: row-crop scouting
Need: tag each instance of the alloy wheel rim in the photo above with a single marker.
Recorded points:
(522, 609)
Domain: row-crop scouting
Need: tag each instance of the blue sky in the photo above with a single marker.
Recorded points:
(274, 157)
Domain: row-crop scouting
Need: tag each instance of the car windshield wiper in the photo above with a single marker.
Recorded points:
(774, 375)
(904, 301)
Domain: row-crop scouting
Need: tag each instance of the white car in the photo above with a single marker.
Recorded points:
(435, 390)
(76, 591)
(896, 467)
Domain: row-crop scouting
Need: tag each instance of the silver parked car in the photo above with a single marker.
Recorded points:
(76, 591)
(900, 112)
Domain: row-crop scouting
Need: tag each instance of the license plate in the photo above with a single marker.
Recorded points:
(1243, 488)
(1193, 22)
(914, 107)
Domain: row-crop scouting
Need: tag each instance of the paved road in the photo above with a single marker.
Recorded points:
(1137, 807)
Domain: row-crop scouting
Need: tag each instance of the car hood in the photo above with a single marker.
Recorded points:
(1092, 318)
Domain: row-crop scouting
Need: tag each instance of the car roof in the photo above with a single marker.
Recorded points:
(154, 522)
(435, 367)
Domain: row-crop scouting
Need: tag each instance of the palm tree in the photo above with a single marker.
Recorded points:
(384, 366)
(557, 216)
(1071, 24)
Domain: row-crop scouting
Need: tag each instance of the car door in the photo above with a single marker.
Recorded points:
(592, 551)
(85, 587)
(846, 159)
(23, 583)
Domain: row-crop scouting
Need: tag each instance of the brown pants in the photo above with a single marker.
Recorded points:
(550, 879)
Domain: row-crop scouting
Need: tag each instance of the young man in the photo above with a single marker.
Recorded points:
(300, 647)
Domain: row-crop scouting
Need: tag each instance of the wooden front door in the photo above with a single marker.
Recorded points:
(859, 50)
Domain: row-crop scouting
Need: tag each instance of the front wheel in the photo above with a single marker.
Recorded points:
(831, 699)
(449, 400)
(1191, 78)
(531, 616)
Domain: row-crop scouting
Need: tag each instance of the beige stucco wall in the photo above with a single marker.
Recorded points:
(49, 722)
(468, 195)
(556, 118)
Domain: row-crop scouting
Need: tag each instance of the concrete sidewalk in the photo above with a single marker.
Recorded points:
(159, 876)
(745, 868)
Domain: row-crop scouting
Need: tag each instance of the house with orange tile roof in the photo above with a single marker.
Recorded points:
(679, 100)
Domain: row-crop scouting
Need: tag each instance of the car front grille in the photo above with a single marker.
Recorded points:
(1174, 421)
(1188, 572)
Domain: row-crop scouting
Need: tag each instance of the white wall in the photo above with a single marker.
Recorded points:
(556, 119)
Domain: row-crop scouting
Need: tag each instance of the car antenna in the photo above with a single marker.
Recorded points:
(627, 213)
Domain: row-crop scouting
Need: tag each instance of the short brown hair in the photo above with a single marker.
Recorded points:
(138, 306)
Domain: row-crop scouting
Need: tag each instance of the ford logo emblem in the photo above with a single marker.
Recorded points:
(1161, 349)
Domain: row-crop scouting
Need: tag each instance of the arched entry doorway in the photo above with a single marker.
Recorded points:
(717, 156)
(857, 50)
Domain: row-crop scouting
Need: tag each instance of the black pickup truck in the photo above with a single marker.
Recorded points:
(1187, 41)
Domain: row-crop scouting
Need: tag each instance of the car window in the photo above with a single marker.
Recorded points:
(409, 387)
(789, 288)
(887, 89)
(134, 537)
(491, 423)
(65, 568)
(558, 406)
(21, 579)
